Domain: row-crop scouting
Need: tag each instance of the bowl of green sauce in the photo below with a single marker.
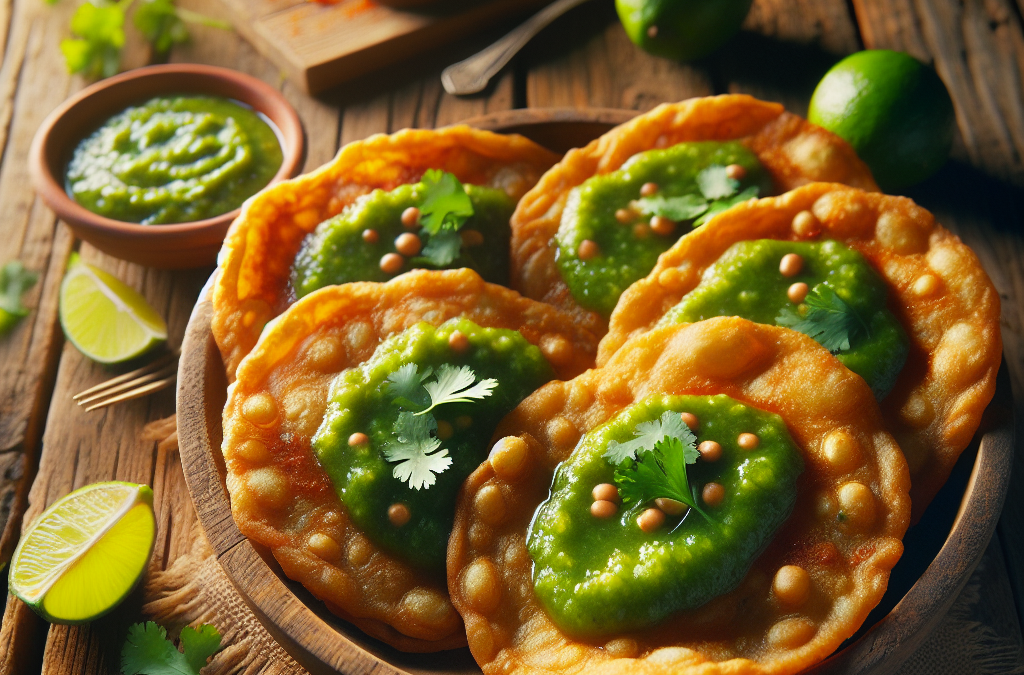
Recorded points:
(153, 165)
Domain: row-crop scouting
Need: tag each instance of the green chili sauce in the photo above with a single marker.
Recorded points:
(629, 250)
(360, 402)
(746, 282)
(598, 577)
(337, 251)
(174, 160)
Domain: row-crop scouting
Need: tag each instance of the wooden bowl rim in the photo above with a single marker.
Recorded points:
(88, 109)
(320, 648)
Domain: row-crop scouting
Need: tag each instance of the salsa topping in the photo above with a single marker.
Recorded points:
(405, 428)
(615, 225)
(437, 223)
(687, 529)
(823, 289)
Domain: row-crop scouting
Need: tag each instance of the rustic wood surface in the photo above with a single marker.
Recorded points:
(48, 447)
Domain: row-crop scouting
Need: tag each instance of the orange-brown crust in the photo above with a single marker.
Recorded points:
(280, 496)
(794, 151)
(833, 418)
(256, 260)
(939, 291)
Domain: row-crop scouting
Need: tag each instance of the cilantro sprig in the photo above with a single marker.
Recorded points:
(718, 192)
(653, 464)
(147, 651)
(14, 281)
(445, 209)
(98, 33)
(826, 317)
(417, 453)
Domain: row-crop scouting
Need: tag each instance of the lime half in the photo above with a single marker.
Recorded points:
(86, 552)
(106, 319)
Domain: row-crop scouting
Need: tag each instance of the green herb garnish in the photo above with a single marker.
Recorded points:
(98, 29)
(826, 317)
(14, 281)
(414, 450)
(445, 208)
(661, 450)
(718, 193)
(414, 447)
(147, 651)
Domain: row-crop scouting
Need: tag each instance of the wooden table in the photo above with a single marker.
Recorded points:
(48, 446)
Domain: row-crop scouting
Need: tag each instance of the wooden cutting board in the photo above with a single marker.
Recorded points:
(321, 45)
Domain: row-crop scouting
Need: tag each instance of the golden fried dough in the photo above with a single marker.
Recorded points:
(793, 151)
(252, 286)
(281, 497)
(938, 290)
(850, 515)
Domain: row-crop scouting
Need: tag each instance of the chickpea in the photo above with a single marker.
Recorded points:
(690, 420)
(605, 492)
(648, 189)
(791, 264)
(371, 236)
(797, 292)
(588, 250)
(748, 441)
(358, 438)
(392, 263)
(398, 514)
(458, 341)
(713, 494)
(408, 244)
(411, 217)
(603, 509)
(662, 226)
(736, 172)
(792, 585)
(650, 520)
(624, 216)
(710, 451)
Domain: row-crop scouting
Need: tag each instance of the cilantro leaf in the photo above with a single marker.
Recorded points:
(648, 435)
(442, 248)
(14, 281)
(720, 205)
(455, 385)
(824, 316)
(674, 208)
(99, 31)
(659, 473)
(159, 22)
(714, 182)
(147, 651)
(414, 450)
(446, 205)
(406, 386)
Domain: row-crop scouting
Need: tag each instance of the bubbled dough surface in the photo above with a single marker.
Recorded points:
(793, 151)
(747, 630)
(281, 498)
(938, 290)
(261, 245)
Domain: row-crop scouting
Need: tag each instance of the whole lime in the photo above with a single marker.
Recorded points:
(894, 111)
(681, 29)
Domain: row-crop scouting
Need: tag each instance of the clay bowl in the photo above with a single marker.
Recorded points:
(192, 244)
(942, 550)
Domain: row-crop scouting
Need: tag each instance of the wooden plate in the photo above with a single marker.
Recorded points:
(942, 550)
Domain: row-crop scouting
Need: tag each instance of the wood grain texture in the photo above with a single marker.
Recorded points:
(585, 60)
(320, 46)
(977, 48)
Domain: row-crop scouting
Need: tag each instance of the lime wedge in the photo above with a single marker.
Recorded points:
(107, 320)
(86, 552)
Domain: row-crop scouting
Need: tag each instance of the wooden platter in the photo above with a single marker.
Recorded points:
(942, 550)
(321, 45)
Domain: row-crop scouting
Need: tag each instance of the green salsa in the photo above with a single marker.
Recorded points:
(746, 282)
(339, 251)
(362, 401)
(601, 576)
(628, 248)
(174, 160)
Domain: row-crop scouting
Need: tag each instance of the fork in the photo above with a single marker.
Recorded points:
(158, 375)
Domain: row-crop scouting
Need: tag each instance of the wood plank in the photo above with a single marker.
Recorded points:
(320, 46)
(592, 64)
(977, 48)
(784, 48)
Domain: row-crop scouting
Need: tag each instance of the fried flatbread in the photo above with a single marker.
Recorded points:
(282, 498)
(938, 290)
(252, 287)
(793, 151)
(845, 532)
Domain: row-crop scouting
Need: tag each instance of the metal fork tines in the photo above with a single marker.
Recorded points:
(158, 375)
